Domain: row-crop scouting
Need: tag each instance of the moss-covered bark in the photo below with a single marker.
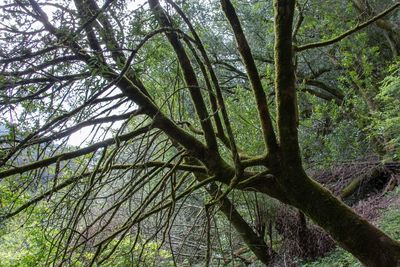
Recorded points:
(255, 243)
(358, 181)
(370, 245)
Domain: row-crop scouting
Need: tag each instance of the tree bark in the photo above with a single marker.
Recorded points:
(255, 243)
(370, 245)
(356, 182)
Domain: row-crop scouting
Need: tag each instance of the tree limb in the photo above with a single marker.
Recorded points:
(349, 32)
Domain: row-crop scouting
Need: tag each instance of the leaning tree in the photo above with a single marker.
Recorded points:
(160, 126)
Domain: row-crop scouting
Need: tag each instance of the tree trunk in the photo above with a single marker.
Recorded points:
(255, 243)
(356, 182)
(302, 237)
(370, 245)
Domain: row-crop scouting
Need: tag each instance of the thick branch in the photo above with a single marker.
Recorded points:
(285, 83)
(252, 72)
(135, 91)
(217, 101)
(336, 94)
(254, 242)
(189, 75)
(213, 99)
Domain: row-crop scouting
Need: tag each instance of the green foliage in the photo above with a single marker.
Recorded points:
(140, 254)
(389, 222)
(386, 124)
(27, 246)
(338, 258)
(30, 245)
(329, 136)
(25, 240)
(367, 122)
(246, 120)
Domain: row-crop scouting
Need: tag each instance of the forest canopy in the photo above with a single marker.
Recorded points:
(188, 132)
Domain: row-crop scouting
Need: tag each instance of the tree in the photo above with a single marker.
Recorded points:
(67, 67)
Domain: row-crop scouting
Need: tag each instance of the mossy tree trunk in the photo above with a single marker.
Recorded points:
(370, 245)
(254, 242)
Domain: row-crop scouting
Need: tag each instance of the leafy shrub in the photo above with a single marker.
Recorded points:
(386, 123)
